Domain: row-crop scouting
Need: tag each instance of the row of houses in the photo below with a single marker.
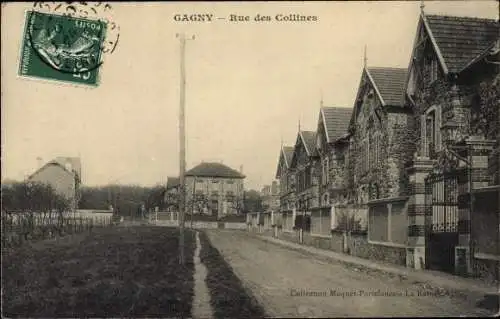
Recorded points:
(408, 174)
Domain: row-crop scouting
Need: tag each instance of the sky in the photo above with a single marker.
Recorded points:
(248, 85)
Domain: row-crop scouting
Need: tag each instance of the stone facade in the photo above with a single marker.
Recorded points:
(286, 177)
(439, 116)
(379, 146)
(456, 118)
(306, 167)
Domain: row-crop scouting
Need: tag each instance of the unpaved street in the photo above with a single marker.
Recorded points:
(281, 279)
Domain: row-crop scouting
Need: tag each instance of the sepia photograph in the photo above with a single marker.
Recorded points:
(278, 159)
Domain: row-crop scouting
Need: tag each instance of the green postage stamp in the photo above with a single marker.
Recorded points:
(62, 48)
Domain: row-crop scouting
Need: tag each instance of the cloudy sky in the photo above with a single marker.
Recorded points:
(248, 84)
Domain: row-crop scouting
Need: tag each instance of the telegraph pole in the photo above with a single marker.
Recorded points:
(182, 140)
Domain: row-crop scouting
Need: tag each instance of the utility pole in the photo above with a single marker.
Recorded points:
(182, 140)
(193, 202)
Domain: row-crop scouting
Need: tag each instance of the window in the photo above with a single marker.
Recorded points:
(215, 181)
(307, 173)
(325, 200)
(283, 184)
(327, 169)
(230, 182)
(434, 70)
(365, 155)
(431, 131)
(376, 149)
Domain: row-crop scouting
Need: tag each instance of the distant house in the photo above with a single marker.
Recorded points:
(331, 144)
(270, 196)
(286, 178)
(64, 175)
(212, 189)
(305, 165)
(171, 194)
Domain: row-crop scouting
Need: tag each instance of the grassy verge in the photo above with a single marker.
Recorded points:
(228, 298)
(115, 272)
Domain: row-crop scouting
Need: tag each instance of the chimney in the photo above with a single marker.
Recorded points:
(241, 169)
(39, 161)
(69, 165)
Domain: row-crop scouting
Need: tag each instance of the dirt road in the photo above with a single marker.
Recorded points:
(295, 284)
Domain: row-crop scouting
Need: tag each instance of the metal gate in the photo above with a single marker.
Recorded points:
(442, 230)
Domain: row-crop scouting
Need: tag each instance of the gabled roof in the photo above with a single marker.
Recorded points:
(460, 39)
(335, 121)
(214, 170)
(390, 83)
(309, 140)
(61, 162)
(286, 153)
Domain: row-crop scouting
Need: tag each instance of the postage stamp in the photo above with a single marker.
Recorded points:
(62, 48)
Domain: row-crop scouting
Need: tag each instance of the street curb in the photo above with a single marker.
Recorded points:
(479, 292)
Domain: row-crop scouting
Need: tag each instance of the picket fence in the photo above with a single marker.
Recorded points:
(19, 228)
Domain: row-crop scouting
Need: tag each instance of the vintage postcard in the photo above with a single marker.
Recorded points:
(250, 159)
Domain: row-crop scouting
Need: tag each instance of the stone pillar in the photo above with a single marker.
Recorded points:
(418, 215)
(476, 151)
(333, 218)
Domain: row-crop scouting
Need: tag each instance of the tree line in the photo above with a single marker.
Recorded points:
(125, 200)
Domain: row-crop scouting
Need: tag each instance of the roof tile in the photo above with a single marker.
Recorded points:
(390, 82)
(309, 140)
(336, 120)
(288, 151)
(214, 170)
(461, 39)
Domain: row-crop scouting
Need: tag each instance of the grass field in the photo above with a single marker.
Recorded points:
(114, 272)
(228, 297)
